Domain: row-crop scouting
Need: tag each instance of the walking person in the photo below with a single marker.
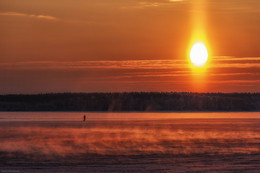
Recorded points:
(84, 118)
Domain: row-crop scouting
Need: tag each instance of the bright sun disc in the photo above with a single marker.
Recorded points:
(198, 54)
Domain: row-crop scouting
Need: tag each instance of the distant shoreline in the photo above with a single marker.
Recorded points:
(132, 102)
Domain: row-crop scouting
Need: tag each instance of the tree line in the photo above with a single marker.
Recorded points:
(132, 101)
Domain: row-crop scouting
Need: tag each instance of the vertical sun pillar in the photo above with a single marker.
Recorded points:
(198, 52)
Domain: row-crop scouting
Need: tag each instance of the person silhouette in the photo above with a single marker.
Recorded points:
(84, 118)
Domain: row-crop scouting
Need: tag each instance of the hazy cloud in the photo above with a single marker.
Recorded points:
(28, 15)
(216, 62)
(153, 3)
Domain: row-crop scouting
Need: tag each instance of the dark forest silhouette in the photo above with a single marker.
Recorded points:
(134, 101)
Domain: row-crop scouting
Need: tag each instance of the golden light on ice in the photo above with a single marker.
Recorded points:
(198, 54)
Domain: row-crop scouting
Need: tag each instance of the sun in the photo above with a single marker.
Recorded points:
(198, 54)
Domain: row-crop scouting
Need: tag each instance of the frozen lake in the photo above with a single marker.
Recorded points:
(78, 116)
(129, 142)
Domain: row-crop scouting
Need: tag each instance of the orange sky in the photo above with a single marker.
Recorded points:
(130, 45)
